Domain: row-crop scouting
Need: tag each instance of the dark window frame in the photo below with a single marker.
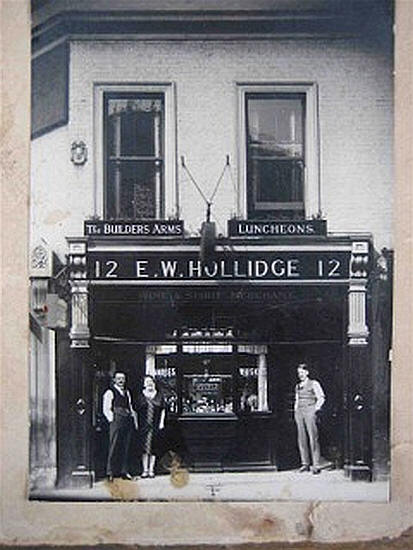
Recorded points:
(157, 160)
(281, 209)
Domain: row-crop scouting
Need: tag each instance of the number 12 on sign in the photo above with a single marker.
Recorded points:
(329, 268)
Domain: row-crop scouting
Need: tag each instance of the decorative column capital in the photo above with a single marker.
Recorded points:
(77, 259)
(359, 260)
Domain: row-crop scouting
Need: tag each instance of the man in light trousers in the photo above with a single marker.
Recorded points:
(309, 398)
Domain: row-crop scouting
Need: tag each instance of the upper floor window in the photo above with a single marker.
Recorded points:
(134, 128)
(280, 164)
(275, 154)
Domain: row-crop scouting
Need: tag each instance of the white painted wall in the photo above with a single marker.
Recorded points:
(355, 88)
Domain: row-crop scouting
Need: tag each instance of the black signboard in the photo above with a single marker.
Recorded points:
(137, 228)
(174, 266)
(261, 228)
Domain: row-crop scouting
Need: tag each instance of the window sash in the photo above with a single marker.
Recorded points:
(134, 144)
(275, 131)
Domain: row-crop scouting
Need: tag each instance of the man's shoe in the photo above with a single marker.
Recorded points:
(316, 471)
(127, 476)
(110, 478)
(304, 468)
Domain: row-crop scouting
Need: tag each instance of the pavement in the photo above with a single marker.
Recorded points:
(240, 486)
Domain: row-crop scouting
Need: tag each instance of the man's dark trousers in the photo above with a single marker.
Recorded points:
(120, 431)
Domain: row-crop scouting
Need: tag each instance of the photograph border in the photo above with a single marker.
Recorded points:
(25, 522)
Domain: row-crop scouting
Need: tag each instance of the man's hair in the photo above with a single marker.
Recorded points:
(304, 366)
(118, 372)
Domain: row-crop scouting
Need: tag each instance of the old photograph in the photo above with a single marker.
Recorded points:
(211, 250)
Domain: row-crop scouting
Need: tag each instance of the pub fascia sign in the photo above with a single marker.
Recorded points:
(175, 228)
(141, 228)
(272, 228)
(172, 266)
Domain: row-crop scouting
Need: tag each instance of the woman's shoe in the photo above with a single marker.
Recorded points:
(151, 475)
(144, 474)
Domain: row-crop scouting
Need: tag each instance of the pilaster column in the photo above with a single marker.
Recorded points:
(79, 331)
(79, 418)
(76, 374)
(357, 331)
(357, 377)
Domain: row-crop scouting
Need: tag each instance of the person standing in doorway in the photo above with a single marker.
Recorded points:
(309, 398)
(151, 411)
(119, 412)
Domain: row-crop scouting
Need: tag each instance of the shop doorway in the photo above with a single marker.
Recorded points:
(326, 362)
(218, 398)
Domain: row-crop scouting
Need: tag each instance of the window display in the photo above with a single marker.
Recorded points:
(210, 383)
(207, 394)
(165, 372)
(207, 384)
(248, 388)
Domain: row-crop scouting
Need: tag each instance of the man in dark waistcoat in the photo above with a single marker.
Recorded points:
(119, 412)
(309, 398)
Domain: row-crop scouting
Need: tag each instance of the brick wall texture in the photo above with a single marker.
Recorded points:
(354, 78)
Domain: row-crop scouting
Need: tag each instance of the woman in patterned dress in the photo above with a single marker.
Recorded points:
(151, 411)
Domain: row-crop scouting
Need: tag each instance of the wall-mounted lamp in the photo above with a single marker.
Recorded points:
(78, 153)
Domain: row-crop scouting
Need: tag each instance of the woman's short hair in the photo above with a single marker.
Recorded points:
(151, 377)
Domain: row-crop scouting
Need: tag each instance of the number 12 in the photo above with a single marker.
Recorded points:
(332, 269)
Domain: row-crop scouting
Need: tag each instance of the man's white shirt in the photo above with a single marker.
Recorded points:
(108, 401)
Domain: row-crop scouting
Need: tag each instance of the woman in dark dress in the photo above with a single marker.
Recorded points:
(151, 412)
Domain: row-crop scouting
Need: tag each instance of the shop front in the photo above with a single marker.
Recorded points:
(223, 338)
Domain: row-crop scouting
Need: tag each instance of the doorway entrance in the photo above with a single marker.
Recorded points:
(326, 363)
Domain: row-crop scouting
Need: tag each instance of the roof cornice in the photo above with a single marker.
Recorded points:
(100, 19)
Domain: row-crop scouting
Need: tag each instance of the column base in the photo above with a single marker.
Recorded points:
(81, 478)
(43, 478)
(359, 472)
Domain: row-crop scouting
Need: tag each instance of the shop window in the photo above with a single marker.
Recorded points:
(207, 379)
(280, 167)
(165, 373)
(207, 385)
(134, 148)
(248, 388)
(207, 393)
